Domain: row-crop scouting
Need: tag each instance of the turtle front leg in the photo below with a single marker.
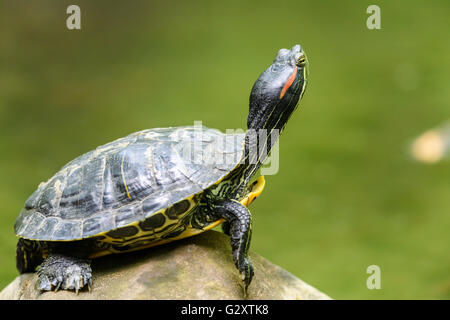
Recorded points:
(60, 271)
(240, 223)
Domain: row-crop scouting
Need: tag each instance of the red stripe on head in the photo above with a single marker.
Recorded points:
(288, 83)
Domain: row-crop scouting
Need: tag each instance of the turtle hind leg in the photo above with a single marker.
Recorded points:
(60, 271)
(28, 255)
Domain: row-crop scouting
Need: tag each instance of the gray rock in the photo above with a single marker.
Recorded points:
(200, 267)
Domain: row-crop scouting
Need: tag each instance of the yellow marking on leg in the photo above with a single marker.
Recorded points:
(24, 257)
(123, 178)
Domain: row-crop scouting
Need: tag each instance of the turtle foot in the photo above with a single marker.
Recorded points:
(64, 272)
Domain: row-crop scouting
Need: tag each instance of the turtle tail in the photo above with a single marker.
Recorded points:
(28, 255)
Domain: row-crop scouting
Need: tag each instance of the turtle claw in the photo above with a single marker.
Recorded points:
(57, 287)
(79, 284)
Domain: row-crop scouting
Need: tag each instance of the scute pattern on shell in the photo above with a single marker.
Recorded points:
(127, 180)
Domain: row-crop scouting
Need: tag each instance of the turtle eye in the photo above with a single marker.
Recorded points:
(301, 62)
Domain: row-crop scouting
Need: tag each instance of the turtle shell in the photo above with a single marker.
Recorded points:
(128, 180)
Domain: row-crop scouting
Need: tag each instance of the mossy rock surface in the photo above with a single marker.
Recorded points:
(200, 267)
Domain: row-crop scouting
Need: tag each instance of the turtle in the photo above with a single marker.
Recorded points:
(156, 186)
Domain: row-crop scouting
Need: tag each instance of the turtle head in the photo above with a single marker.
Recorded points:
(277, 91)
(273, 98)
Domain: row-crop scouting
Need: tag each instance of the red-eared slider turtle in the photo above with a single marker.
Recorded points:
(156, 186)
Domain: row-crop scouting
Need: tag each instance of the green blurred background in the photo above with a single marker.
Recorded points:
(347, 195)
